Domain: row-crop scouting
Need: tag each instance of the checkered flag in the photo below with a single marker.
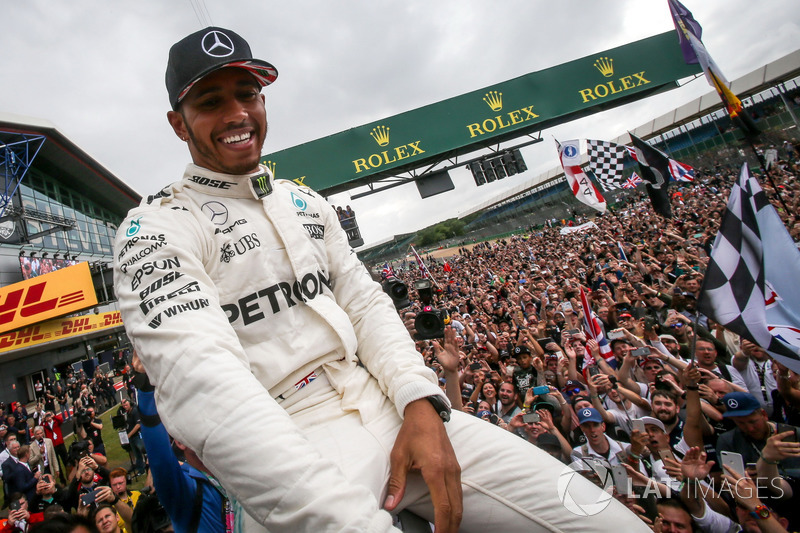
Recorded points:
(606, 161)
(750, 285)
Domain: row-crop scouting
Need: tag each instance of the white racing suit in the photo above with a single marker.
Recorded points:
(287, 369)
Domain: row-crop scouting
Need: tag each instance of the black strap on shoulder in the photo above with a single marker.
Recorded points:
(197, 507)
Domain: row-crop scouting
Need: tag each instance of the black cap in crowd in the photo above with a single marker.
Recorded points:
(205, 51)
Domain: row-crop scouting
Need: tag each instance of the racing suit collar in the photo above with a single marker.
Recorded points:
(255, 185)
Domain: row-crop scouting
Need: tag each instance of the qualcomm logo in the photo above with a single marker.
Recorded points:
(299, 203)
(580, 496)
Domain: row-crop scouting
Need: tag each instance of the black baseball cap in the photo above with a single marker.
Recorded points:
(205, 51)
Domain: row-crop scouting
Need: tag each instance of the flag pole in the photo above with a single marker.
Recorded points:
(763, 166)
(694, 335)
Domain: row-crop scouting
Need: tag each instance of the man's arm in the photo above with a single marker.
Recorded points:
(198, 350)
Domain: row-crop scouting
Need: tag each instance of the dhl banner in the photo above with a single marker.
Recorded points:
(55, 294)
(57, 329)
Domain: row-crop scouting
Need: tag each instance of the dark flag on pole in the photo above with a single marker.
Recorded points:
(655, 172)
(750, 286)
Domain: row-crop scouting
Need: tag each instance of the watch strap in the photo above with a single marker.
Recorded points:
(440, 404)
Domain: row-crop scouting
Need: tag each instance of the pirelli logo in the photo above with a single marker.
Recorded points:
(51, 295)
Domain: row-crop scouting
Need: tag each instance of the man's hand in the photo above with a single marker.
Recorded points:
(777, 449)
(694, 465)
(447, 356)
(104, 494)
(423, 446)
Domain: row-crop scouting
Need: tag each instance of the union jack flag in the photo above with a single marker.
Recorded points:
(305, 381)
(387, 271)
(632, 181)
(594, 330)
(681, 171)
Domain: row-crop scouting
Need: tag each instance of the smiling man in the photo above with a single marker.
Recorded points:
(244, 300)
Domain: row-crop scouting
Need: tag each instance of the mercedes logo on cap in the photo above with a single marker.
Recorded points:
(733, 404)
(216, 212)
(217, 44)
(587, 412)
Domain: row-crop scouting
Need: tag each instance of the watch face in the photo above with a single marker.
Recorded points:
(762, 511)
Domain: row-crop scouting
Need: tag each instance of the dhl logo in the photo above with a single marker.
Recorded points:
(56, 329)
(48, 296)
(33, 303)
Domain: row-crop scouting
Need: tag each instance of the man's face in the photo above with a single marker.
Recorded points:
(651, 368)
(38, 433)
(658, 440)
(692, 285)
(13, 448)
(87, 475)
(674, 520)
(753, 425)
(225, 120)
(594, 432)
(90, 412)
(506, 394)
(671, 346)
(119, 485)
(126, 404)
(105, 520)
(665, 409)
(720, 388)
(706, 353)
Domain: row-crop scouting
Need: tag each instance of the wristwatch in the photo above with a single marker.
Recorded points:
(761, 512)
(442, 409)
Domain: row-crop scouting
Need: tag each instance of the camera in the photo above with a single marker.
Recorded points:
(78, 450)
(397, 291)
(118, 422)
(429, 322)
(82, 417)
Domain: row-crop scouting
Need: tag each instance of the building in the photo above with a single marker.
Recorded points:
(59, 209)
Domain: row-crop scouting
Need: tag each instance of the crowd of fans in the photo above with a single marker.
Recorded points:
(48, 486)
(690, 426)
(679, 397)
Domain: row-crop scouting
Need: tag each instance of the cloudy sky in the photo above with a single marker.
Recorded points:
(96, 70)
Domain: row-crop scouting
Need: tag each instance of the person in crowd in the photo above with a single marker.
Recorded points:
(17, 474)
(52, 431)
(132, 425)
(92, 430)
(43, 454)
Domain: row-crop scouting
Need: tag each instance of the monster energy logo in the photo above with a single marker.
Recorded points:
(261, 185)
